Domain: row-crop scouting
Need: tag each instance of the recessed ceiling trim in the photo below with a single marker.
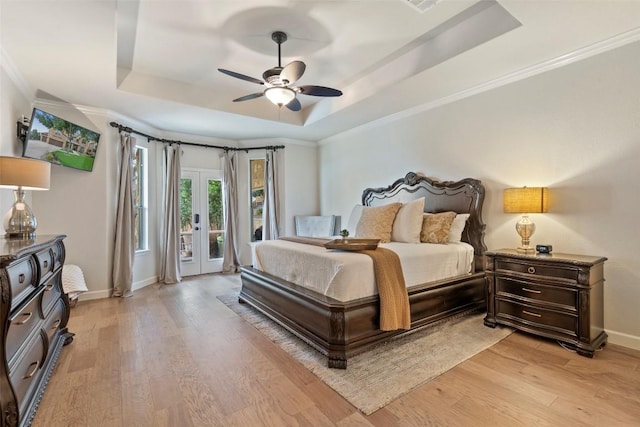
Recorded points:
(421, 5)
(558, 62)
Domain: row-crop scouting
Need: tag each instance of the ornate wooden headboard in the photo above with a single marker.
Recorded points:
(464, 196)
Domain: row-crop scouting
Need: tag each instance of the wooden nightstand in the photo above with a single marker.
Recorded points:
(558, 296)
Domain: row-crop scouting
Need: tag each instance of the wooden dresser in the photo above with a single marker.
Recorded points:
(558, 296)
(34, 313)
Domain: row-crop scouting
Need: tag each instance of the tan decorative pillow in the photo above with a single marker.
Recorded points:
(435, 227)
(377, 222)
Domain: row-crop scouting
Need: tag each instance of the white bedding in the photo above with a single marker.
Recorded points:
(349, 275)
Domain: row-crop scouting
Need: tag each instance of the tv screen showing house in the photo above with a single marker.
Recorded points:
(58, 141)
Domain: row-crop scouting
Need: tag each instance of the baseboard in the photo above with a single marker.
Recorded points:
(625, 340)
(106, 293)
(144, 283)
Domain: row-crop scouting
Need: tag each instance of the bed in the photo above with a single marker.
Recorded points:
(340, 329)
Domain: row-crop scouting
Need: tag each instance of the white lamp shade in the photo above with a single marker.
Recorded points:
(280, 95)
(25, 173)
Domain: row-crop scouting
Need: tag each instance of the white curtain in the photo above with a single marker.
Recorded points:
(170, 238)
(125, 246)
(230, 258)
(271, 210)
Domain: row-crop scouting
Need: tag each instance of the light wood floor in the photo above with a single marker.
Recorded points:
(176, 356)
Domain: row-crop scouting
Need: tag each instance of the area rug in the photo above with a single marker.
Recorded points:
(377, 377)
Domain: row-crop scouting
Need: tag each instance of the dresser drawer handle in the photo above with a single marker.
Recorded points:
(531, 314)
(33, 371)
(56, 324)
(21, 278)
(46, 263)
(533, 291)
(22, 322)
(531, 270)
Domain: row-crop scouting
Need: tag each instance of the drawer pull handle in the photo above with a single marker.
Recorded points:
(533, 291)
(22, 322)
(21, 278)
(46, 263)
(56, 324)
(531, 314)
(33, 371)
(531, 270)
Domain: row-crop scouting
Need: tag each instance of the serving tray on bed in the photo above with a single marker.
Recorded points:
(353, 244)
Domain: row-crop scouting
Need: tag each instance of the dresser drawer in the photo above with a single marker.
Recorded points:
(22, 376)
(535, 269)
(536, 317)
(45, 261)
(52, 292)
(22, 277)
(58, 255)
(54, 320)
(521, 289)
(21, 323)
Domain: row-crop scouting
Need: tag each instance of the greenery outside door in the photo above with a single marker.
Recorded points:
(201, 221)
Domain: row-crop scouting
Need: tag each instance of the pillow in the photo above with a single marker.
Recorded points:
(408, 222)
(457, 227)
(377, 222)
(354, 217)
(436, 227)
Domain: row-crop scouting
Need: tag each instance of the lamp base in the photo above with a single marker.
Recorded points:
(20, 236)
(524, 250)
(19, 221)
(525, 228)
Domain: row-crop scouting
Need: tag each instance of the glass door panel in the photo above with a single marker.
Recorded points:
(201, 222)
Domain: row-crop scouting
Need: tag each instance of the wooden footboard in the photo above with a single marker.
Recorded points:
(340, 330)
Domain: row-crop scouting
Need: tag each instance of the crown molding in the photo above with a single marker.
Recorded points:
(15, 75)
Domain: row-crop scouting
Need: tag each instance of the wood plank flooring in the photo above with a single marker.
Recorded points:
(176, 356)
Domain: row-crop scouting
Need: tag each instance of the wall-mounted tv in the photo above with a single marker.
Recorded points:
(60, 142)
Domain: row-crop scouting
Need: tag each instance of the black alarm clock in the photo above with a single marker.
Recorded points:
(544, 249)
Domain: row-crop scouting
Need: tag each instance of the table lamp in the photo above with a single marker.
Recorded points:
(526, 200)
(20, 174)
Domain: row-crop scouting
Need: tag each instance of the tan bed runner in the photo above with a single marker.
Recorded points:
(394, 299)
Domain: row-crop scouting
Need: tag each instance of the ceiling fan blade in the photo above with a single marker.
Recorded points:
(240, 76)
(292, 72)
(248, 97)
(294, 105)
(319, 91)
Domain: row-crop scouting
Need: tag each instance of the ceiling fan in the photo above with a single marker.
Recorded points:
(279, 81)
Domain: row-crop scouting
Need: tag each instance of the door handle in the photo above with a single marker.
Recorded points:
(196, 218)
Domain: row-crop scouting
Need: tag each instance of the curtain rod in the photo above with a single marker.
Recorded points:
(122, 128)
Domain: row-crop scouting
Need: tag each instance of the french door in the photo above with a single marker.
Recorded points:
(201, 221)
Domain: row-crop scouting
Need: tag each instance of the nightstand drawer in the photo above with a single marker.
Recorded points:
(521, 289)
(536, 269)
(538, 317)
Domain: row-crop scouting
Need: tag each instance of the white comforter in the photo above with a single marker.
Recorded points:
(349, 275)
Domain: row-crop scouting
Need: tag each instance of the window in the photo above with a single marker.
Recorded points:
(256, 170)
(140, 190)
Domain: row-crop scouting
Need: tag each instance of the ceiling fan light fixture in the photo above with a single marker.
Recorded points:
(280, 95)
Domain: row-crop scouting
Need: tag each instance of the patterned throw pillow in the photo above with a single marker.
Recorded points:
(435, 227)
(377, 222)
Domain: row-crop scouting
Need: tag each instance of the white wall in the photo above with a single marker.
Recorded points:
(15, 100)
(575, 129)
